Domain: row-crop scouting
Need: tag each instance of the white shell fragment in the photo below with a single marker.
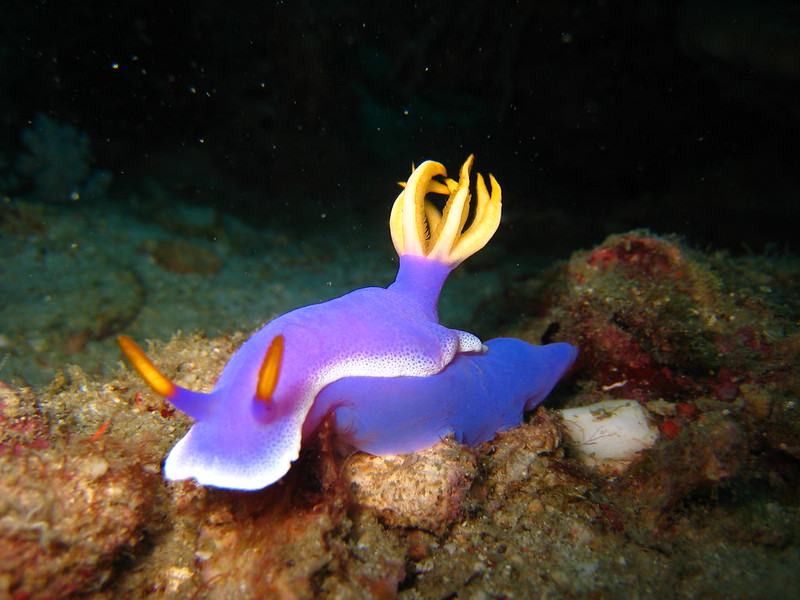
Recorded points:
(610, 434)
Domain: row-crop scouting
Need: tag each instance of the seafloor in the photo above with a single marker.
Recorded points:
(708, 344)
(182, 173)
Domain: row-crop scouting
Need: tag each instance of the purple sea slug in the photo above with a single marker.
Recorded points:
(396, 380)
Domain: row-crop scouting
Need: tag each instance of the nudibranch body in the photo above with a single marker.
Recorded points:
(396, 379)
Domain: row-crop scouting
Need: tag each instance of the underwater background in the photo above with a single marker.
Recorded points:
(184, 172)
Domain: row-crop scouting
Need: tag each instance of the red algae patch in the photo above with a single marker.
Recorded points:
(643, 312)
(654, 319)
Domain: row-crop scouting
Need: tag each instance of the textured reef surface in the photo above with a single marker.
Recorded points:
(707, 344)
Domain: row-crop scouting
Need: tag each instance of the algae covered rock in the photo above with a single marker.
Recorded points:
(656, 319)
(71, 506)
(707, 343)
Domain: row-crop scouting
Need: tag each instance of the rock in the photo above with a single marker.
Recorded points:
(424, 490)
(609, 435)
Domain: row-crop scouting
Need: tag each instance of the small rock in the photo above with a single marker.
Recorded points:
(609, 435)
(423, 490)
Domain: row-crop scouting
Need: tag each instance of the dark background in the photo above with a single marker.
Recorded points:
(596, 116)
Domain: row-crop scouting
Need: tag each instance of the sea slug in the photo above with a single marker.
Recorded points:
(396, 380)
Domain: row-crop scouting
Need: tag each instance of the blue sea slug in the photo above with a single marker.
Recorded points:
(396, 380)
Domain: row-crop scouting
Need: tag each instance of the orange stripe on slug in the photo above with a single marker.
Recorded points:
(160, 384)
(270, 370)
